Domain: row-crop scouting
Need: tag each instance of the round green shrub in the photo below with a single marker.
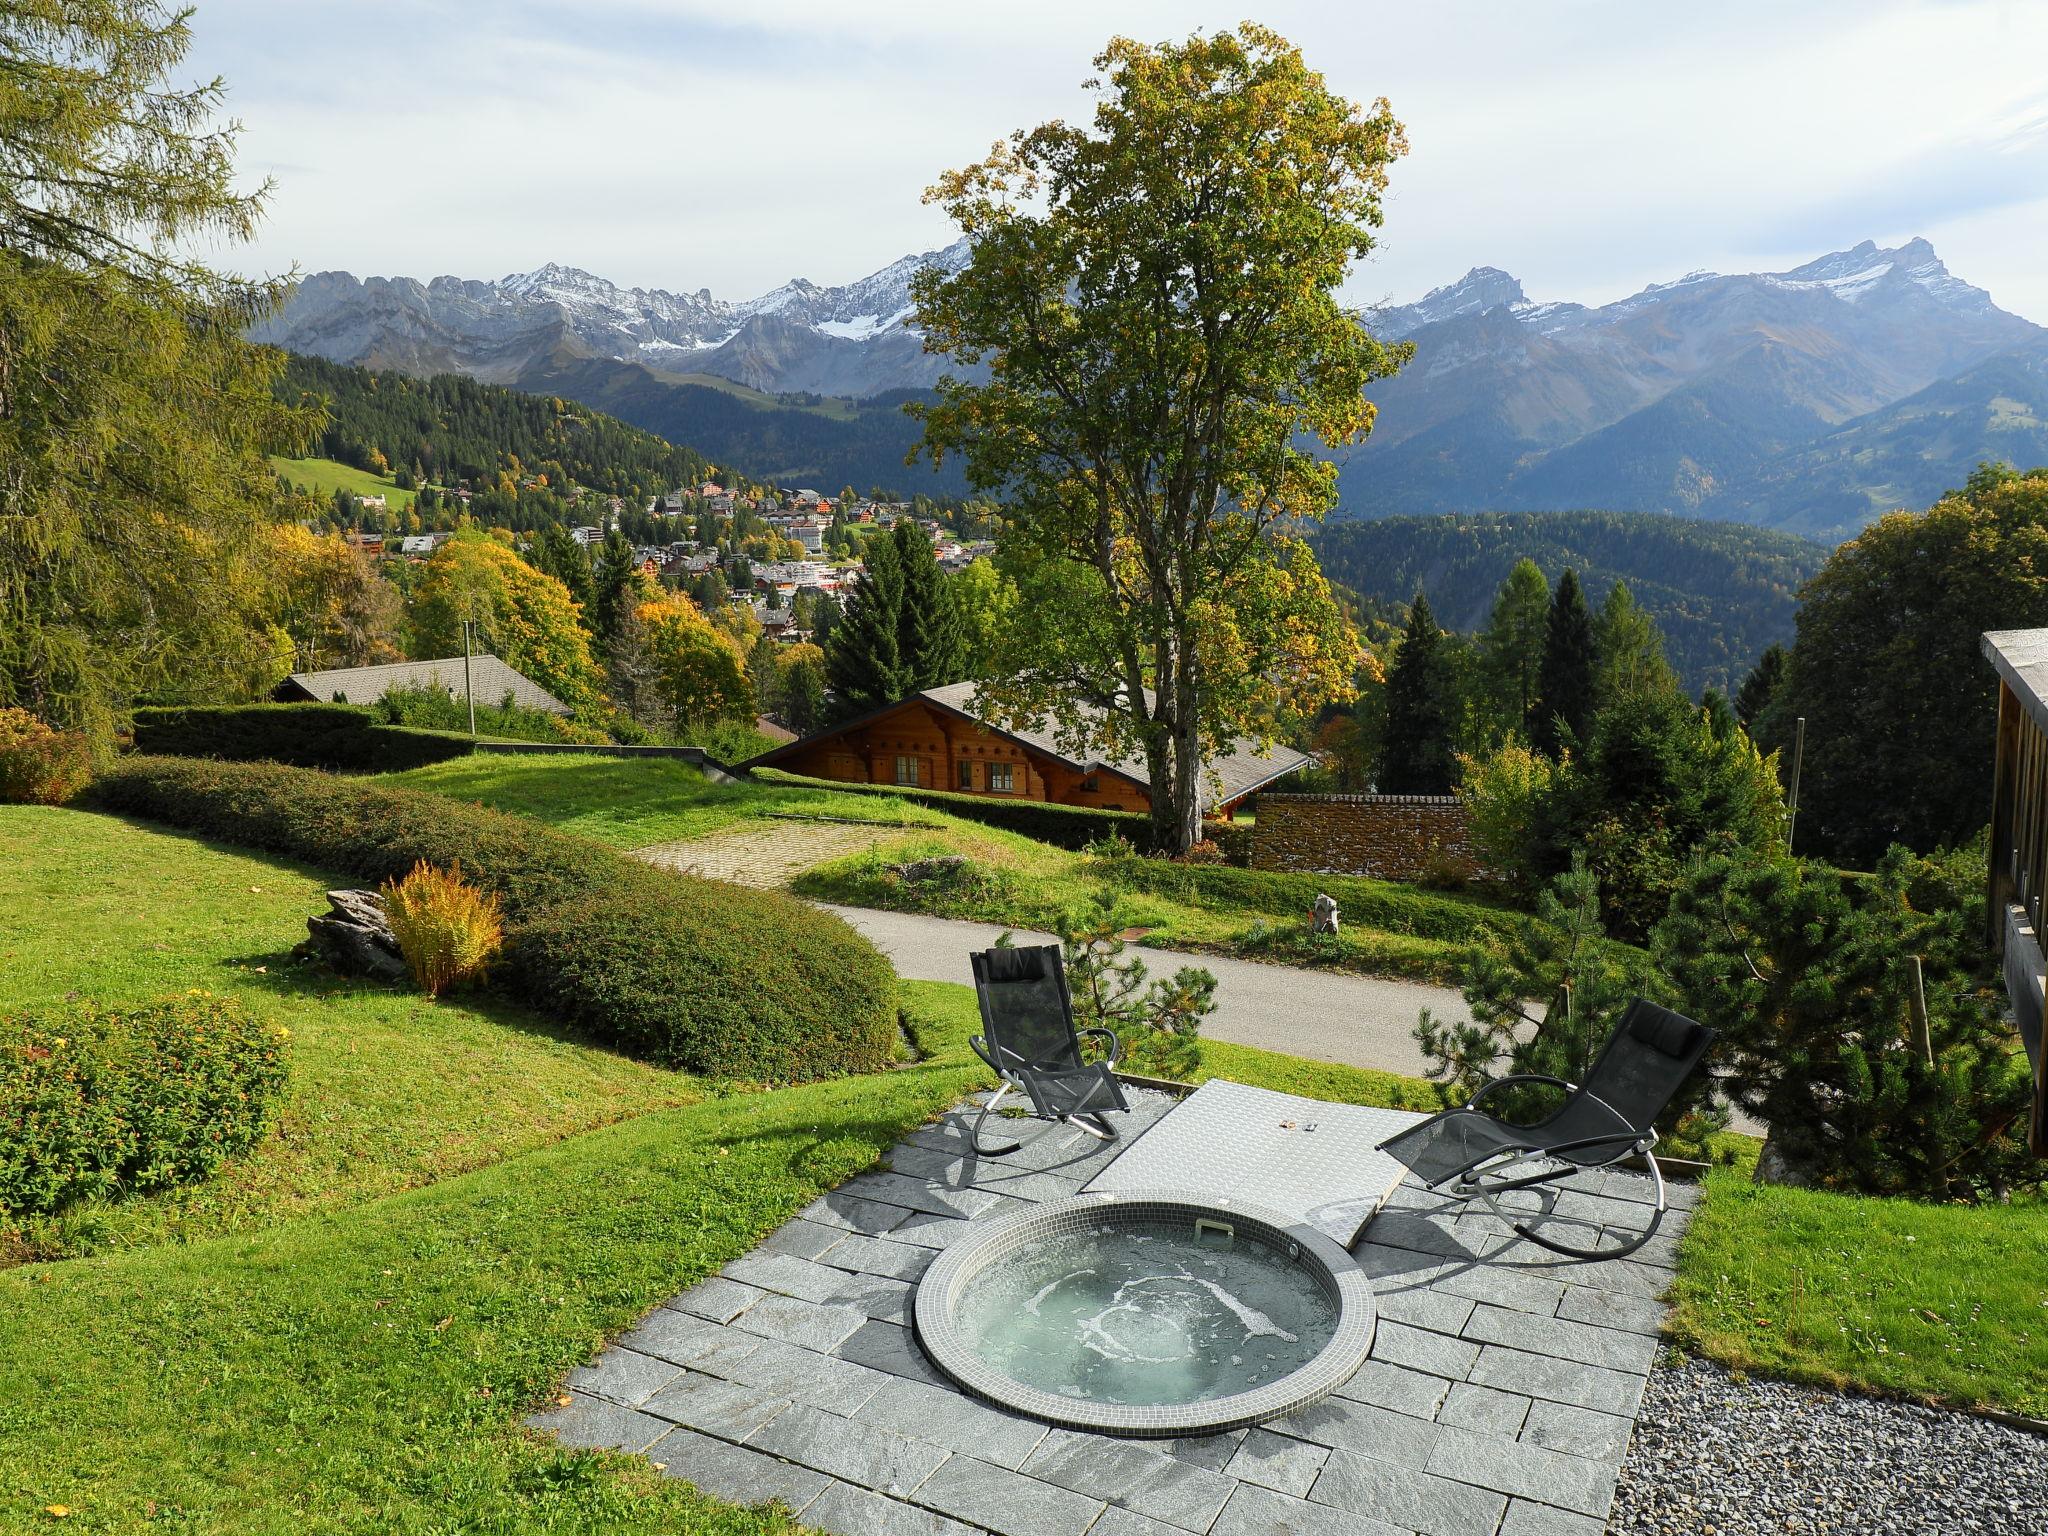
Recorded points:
(100, 1100)
(698, 974)
(723, 980)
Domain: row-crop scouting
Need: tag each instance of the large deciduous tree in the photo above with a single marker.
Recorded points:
(524, 616)
(1900, 704)
(698, 669)
(1154, 300)
(134, 497)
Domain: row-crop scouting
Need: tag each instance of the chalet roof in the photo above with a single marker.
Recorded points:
(1230, 776)
(2021, 657)
(490, 678)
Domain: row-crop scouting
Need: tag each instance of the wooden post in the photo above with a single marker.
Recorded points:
(1792, 798)
(1923, 1036)
(467, 691)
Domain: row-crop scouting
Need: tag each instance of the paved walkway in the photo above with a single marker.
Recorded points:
(1498, 1401)
(1361, 1021)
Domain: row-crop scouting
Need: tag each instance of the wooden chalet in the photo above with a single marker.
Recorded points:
(935, 740)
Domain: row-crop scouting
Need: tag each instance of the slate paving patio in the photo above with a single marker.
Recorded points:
(1498, 1399)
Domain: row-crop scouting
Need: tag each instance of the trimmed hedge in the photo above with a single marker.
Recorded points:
(1064, 826)
(714, 978)
(95, 1100)
(343, 737)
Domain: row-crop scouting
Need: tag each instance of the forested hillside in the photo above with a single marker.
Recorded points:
(451, 428)
(1721, 592)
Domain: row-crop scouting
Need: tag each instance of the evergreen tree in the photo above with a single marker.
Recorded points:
(710, 591)
(1760, 687)
(1511, 649)
(1419, 755)
(562, 557)
(1630, 650)
(803, 690)
(928, 636)
(864, 662)
(1810, 982)
(614, 585)
(1565, 682)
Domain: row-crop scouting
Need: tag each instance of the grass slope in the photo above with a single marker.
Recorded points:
(388, 1089)
(1940, 1302)
(323, 477)
(1389, 929)
(368, 1371)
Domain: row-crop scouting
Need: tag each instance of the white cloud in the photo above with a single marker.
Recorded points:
(1587, 146)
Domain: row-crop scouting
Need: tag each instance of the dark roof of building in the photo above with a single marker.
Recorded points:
(1230, 777)
(490, 680)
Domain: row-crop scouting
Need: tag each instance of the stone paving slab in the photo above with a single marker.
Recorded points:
(1498, 1400)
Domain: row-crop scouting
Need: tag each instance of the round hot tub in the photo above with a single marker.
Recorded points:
(1149, 1313)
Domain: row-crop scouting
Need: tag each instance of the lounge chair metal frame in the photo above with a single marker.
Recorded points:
(1651, 1052)
(1063, 1088)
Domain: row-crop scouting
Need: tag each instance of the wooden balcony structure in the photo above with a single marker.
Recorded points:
(2018, 872)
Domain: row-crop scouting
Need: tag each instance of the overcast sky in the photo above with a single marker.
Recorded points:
(1589, 148)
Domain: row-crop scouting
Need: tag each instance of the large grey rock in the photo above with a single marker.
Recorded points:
(355, 937)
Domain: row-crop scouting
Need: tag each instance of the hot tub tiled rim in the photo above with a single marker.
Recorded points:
(939, 1290)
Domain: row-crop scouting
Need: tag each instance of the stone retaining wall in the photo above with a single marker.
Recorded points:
(1389, 837)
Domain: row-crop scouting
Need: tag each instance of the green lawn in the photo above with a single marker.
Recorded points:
(1389, 929)
(1933, 1301)
(323, 477)
(632, 802)
(388, 1089)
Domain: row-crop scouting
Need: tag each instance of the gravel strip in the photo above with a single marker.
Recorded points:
(1714, 1456)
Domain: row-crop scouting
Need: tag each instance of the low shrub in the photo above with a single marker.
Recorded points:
(338, 736)
(436, 709)
(694, 973)
(40, 765)
(448, 930)
(98, 1101)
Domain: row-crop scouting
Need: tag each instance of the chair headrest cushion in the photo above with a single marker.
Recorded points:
(1671, 1034)
(1016, 964)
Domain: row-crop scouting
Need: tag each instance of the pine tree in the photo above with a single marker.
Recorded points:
(1419, 755)
(1630, 650)
(929, 632)
(1760, 687)
(865, 660)
(562, 557)
(1512, 646)
(1565, 681)
(614, 585)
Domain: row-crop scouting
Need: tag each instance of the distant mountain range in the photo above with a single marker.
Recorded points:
(1807, 400)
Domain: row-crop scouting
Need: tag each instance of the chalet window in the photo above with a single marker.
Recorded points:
(967, 775)
(1090, 785)
(906, 770)
(999, 778)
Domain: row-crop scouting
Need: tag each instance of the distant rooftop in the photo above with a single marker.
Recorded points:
(490, 679)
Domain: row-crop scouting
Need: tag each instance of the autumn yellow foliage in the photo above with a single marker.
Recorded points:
(448, 930)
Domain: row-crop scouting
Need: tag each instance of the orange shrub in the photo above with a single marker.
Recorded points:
(448, 930)
(40, 765)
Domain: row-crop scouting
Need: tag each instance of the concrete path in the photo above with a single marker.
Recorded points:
(1360, 1021)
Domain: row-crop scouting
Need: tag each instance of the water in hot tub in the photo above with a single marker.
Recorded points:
(1147, 1315)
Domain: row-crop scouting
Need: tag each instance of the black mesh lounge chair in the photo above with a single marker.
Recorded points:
(1474, 1154)
(1029, 1039)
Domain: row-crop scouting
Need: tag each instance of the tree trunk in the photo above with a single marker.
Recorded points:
(1184, 789)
